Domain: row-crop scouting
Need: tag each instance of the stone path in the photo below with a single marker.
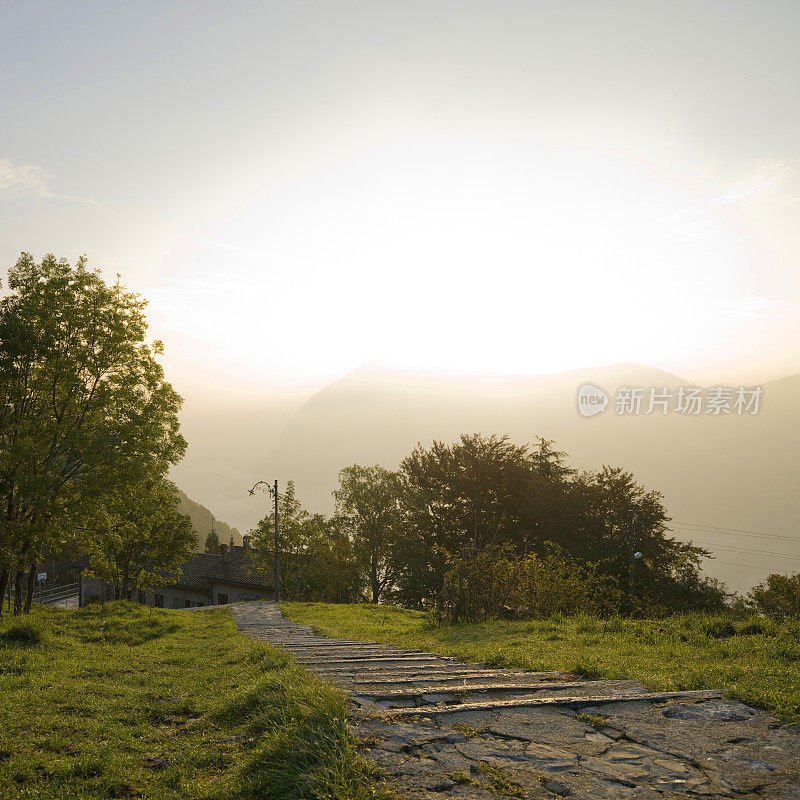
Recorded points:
(440, 728)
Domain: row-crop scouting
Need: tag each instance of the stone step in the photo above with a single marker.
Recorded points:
(425, 669)
(319, 642)
(501, 688)
(344, 647)
(365, 670)
(358, 661)
(564, 702)
(351, 652)
(456, 679)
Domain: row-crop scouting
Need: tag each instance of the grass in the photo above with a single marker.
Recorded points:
(122, 701)
(597, 721)
(467, 730)
(755, 659)
(499, 783)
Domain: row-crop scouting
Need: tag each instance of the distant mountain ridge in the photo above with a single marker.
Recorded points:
(201, 519)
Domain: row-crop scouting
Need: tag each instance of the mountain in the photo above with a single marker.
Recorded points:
(729, 481)
(201, 522)
(229, 435)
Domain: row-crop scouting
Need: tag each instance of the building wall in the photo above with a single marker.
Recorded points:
(237, 594)
(176, 596)
(94, 588)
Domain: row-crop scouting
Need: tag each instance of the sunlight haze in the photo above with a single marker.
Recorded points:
(362, 225)
(302, 188)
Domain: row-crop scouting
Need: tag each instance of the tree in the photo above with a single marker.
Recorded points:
(82, 398)
(317, 559)
(482, 493)
(139, 537)
(368, 506)
(777, 596)
(474, 494)
(212, 542)
(606, 507)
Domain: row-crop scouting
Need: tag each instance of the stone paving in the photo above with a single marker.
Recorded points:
(439, 728)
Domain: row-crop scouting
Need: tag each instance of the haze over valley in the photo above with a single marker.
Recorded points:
(735, 472)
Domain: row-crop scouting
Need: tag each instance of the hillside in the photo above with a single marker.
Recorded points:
(201, 522)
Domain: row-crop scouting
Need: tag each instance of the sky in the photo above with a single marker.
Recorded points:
(491, 187)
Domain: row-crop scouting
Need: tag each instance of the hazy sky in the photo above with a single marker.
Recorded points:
(299, 187)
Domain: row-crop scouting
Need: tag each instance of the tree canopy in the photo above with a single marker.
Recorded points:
(84, 405)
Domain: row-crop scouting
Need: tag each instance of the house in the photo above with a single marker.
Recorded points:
(204, 580)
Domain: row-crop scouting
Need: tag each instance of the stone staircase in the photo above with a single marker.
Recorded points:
(435, 725)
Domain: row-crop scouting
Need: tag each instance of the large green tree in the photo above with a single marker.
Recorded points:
(83, 404)
(610, 516)
(368, 507)
(138, 537)
(481, 493)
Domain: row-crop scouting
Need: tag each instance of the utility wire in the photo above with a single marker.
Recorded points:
(747, 550)
(749, 566)
(735, 531)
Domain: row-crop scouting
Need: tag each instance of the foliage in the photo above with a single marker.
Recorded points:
(494, 584)
(212, 543)
(756, 659)
(317, 559)
(119, 700)
(484, 493)
(84, 406)
(778, 596)
(609, 502)
(368, 507)
(139, 537)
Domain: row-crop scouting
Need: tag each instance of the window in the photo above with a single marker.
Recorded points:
(187, 604)
(175, 602)
(222, 599)
(158, 601)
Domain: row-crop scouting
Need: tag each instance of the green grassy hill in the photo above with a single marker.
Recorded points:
(118, 700)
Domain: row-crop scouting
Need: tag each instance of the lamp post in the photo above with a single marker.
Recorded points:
(633, 556)
(273, 490)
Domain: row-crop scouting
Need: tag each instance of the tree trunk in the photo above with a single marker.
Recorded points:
(4, 575)
(18, 579)
(29, 596)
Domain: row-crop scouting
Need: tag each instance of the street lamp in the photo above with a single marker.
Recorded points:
(633, 557)
(273, 491)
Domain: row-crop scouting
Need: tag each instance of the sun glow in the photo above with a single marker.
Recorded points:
(459, 254)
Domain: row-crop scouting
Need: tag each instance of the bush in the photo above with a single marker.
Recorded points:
(778, 596)
(493, 583)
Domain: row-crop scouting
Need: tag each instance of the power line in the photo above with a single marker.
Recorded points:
(749, 566)
(737, 531)
(748, 550)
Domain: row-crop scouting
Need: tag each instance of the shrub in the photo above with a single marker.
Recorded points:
(494, 583)
(778, 596)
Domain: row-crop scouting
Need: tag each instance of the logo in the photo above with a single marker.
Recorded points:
(591, 400)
